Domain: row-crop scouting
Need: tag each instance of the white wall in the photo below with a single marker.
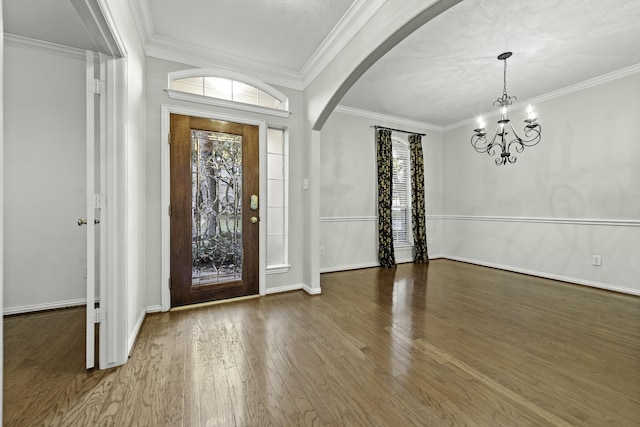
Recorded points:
(348, 195)
(156, 81)
(45, 181)
(585, 170)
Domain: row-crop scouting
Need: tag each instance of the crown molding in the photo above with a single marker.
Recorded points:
(42, 46)
(385, 118)
(596, 81)
(142, 19)
(358, 14)
(185, 53)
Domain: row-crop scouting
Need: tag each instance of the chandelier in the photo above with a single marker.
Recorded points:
(500, 138)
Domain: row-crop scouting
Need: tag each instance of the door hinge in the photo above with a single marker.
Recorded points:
(169, 282)
(99, 318)
(96, 86)
(169, 210)
(94, 201)
(169, 138)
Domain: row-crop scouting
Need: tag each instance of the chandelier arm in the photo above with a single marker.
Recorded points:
(518, 145)
(479, 143)
(491, 147)
(532, 132)
(517, 140)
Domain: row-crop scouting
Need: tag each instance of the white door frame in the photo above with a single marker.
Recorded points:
(113, 350)
(166, 111)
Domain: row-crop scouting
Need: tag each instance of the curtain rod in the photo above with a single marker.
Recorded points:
(397, 130)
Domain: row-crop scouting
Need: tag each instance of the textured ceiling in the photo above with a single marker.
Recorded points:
(443, 73)
(282, 33)
(447, 70)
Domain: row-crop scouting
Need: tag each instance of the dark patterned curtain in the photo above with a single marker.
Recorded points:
(385, 163)
(418, 213)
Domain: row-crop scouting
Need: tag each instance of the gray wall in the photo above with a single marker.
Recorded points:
(585, 170)
(45, 180)
(348, 195)
(574, 195)
(156, 81)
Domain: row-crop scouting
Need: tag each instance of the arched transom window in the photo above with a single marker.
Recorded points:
(228, 89)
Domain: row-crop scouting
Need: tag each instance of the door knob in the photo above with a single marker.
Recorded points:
(82, 222)
(254, 220)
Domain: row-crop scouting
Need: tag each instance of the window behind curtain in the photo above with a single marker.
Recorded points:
(401, 194)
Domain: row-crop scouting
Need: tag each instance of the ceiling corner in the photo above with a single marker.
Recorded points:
(142, 19)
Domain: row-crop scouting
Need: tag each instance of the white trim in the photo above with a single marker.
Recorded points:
(573, 221)
(153, 309)
(278, 269)
(311, 291)
(135, 332)
(347, 218)
(596, 81)
(231, 75)
(346, 267)
(356, 17)
(369, 218)
(143, 21)
(165, 112)
(412, 124)
(201, 99)
(42, 46)
(551, 276)
(285, 288)
(45, 306)
(197, 56)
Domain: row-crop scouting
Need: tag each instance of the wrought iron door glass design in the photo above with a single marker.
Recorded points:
(216, 168)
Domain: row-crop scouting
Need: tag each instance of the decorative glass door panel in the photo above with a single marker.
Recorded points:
(216, 169)
(214, 211)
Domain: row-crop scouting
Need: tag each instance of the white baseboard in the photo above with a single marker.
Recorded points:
(153, 309)
(369, 264)
(45, 306)
(311, 291)
(136, 331)
(285, 288)
(552, 276)
(349, 267)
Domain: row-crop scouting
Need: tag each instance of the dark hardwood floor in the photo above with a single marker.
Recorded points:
(450, 344)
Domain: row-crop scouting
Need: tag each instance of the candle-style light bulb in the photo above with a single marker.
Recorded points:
(531, 114)
(480, 122)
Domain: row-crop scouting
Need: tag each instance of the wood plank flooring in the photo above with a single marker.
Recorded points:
(449, 344)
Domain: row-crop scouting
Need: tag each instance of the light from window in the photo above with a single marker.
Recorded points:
(401, 195)
(276, 198)
(227, 89)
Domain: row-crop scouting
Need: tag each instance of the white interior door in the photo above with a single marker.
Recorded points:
(90, 214)
(95, 234)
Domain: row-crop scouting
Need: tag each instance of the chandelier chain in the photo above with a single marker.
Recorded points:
(504, 90)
